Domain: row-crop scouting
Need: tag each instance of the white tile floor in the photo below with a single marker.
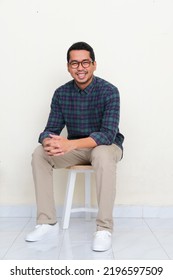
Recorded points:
(133, 238)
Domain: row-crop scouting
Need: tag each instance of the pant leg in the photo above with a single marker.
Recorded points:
(104, 160)
(42, 166)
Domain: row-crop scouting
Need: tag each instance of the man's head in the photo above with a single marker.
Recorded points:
(81, 46)
(81, 63)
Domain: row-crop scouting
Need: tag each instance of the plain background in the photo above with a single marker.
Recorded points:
(133, 43)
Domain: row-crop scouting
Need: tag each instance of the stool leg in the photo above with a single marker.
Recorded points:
(69, 198)
(87, 194)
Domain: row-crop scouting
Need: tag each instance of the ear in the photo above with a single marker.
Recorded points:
(68, 69)
(95, 65)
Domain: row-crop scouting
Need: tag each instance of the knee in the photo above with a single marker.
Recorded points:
(102, 156)
(37, 153)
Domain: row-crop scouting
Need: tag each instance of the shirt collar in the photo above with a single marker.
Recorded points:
(88, 89)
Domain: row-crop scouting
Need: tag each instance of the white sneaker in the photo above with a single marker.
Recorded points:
(102, 241)
(42, 231)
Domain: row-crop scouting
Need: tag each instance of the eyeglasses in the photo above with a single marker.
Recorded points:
(85, 63)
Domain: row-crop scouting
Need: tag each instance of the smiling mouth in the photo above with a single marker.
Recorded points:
(81, 75)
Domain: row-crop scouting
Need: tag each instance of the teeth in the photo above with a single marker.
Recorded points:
(81, 75)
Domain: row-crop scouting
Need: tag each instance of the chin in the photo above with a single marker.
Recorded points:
(81, 81)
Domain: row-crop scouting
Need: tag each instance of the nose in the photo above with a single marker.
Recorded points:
(80, 66)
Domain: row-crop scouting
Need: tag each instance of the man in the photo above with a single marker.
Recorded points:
(89, 108)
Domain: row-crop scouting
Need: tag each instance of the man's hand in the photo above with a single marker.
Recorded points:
(57, 145)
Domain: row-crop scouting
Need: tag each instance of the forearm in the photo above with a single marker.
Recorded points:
(82, 143)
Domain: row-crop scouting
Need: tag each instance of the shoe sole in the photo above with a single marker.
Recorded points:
(46, 236)
(100, 249)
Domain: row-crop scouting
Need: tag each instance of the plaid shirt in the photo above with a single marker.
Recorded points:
(92, 112)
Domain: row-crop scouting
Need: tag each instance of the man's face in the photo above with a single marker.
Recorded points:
(82, 73)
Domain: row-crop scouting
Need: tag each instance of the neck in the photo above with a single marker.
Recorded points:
(82, 86)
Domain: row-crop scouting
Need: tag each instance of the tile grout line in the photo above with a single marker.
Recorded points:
(155, 236)
(13, 242)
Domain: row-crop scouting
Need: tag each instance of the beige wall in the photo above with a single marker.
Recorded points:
(133, 42)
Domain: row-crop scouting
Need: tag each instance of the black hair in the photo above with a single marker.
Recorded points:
(81, 46)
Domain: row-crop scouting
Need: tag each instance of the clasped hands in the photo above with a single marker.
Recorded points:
(56, 145)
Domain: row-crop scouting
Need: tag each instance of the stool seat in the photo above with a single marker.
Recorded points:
(87, 170)
(80, 167)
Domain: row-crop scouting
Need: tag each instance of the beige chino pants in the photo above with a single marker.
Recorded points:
(104, 160)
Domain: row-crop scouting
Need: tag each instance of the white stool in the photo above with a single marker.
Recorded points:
(73, 170)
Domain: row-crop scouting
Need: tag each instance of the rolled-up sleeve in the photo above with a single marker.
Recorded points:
(55, 122)
(110, 121)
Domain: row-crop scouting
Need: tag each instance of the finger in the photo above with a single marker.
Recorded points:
(55, 153)
(52, 150)
(46, 143)
(55, 136)
(52, 145)
(59, 154)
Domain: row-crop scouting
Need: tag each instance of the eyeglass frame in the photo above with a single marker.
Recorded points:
(81, 62)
